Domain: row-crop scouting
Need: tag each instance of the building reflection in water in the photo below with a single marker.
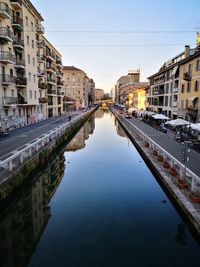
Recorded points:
(24, 216)
(78, 142)
(120, 130)
(99, 114)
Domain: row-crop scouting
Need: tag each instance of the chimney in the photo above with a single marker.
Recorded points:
(187, 51)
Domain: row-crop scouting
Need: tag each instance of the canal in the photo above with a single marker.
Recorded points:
(96, 204)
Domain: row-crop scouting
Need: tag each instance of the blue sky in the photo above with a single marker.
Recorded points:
(123, 34)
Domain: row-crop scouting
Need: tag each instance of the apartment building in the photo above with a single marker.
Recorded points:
(189, 87)
(99, 94)
(51, 82)
(132, 76)
(20, 23)
(78, 85)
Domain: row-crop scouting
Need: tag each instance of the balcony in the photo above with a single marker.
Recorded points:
(18, 43)
(51, 92)
(51, 81)
(40, 28)
(5, 11)
(5, 35)
(40, 43)
(59, 74)
(20, 64)
(6, 57)
(60, 83)
(59, 63)
(42, 85)
(7, 101)
(17, 23)
(17, 4)
(41, 73)
(50, 69)
(7, 79)
(41, 58)
(187, 76)
(43, 100)
(50, 56)
(21, 82)
(175, 104)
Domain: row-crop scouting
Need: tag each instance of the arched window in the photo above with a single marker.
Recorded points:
(196, 86)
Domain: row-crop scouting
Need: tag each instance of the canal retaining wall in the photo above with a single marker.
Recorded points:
(169, 171)
(33, 156)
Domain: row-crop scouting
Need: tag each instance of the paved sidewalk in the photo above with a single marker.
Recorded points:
(20, 136)
(168, 142)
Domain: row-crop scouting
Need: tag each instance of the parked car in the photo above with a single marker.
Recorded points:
(162, 128)
(128, 116)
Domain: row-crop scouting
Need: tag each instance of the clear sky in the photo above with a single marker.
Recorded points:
(106, 38)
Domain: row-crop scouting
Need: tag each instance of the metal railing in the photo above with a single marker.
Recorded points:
(9, 100)
(7, 56)
(7, 78)
(191, 177)
(31, 148)
(6, 33)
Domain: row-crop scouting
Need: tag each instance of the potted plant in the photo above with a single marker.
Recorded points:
(173, 172)
(166, 165)
(182, 184)
(195, 197)
(155, 153)
(146, 144)
(160, 158)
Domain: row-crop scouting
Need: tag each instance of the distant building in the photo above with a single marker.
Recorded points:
(99, 94)
(132, 76)
(77, 85)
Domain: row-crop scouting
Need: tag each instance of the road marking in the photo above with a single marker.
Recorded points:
(23, 135)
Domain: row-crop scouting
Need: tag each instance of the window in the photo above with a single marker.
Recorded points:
(183, 88)
(182, 104)
(34, 62)
(27, 21)
(12, 92)
(34, 78)
(190, 69)
(29, 59)
(196, 86)
(188, 87)
(33, 44)
(30, 94)
(35, 95)
(29, 77)
(32, 27)
(198, 65)
(27, 40)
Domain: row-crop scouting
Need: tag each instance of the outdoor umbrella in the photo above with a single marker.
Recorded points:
(177, 122)
(160, 117)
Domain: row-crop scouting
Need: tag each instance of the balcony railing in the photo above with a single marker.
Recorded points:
(49, 79)
(20, 63)
(16, 3)
(187, 76)
(40, 28)
(51, 92)
(40, 43)
(17, 23)
(42, 85)
(5, 35)
(60, 83)
(5, 11)
(7, 79)
(59, 62)
(21, 81)
(10, 100)
(6, 57)
(58, 73)
(50, 54)
(18, 42)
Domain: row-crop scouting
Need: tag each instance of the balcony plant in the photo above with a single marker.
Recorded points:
(182, 184)
(166, 165)
(155, 153)
(160, 158)
(173, 172)
(195, 197)
(146, 144)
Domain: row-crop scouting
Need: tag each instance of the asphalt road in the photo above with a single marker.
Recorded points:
(20, 136)
(169, 144)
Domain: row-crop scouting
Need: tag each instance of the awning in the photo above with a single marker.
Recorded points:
(174, 70)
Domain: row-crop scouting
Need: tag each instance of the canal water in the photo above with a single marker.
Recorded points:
(97, 204)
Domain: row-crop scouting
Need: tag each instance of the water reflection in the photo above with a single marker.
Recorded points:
(99, 114)
(120, 130)
(78, 142)
(24, 217)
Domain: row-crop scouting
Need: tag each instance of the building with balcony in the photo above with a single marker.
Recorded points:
(51, 64)
(18, 61)
(189, 87)
(132, 76)
(78, 85)
(163, 93)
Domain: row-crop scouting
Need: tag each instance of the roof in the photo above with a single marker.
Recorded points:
(28, 2)
(71, 68)
(197, 54)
